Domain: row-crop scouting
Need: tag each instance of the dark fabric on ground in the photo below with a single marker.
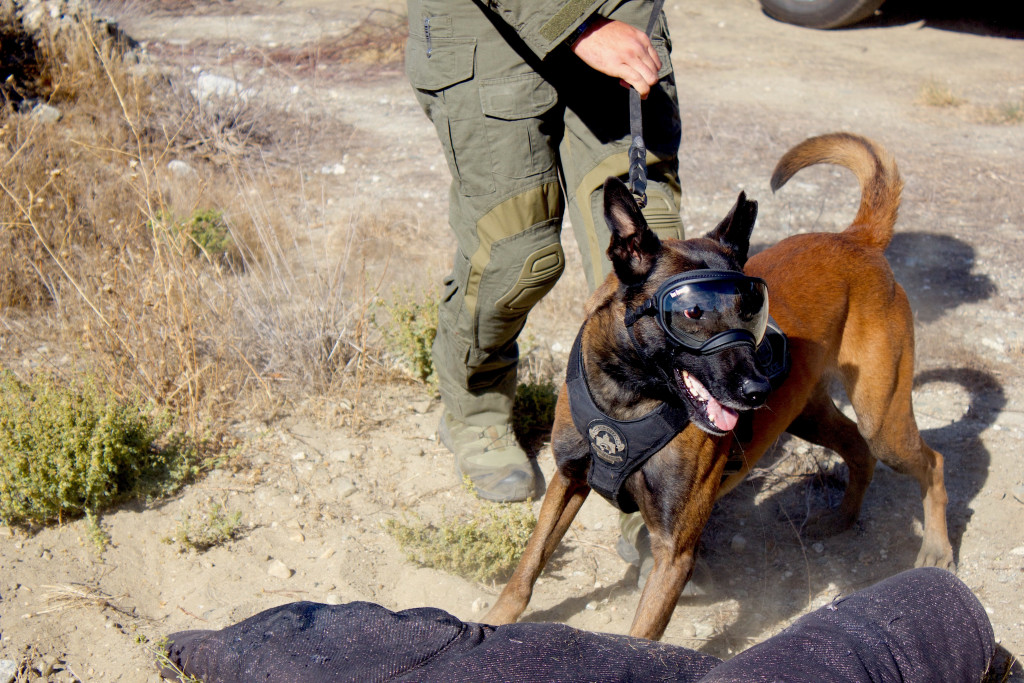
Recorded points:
(920, 626)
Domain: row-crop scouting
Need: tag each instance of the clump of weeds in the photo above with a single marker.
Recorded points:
(484, 545)
(205, 528)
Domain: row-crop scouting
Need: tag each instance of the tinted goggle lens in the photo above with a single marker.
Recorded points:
(695, 311)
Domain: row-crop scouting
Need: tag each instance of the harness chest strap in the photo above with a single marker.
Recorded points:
(618, 448)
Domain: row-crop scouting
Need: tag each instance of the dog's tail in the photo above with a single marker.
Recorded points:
(875, 168)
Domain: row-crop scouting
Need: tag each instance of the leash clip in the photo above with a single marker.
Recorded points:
(638, 170)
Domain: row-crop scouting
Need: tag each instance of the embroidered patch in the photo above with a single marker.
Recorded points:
(607, 442)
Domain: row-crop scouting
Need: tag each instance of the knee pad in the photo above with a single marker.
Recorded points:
(540, 272)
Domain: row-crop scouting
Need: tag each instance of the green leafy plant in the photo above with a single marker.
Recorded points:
(484, 546)
(533, 412)
(206, 528)
(209, 232)
(66, 451)
(413, 327)
(204, 233)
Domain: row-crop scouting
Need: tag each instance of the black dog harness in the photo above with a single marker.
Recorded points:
(618, 448)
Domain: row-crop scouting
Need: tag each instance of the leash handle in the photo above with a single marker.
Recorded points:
(637, 148)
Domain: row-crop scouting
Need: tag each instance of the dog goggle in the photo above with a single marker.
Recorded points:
(706, 311)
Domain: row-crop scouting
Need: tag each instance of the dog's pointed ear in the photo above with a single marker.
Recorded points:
(633, 245)
(734, 231)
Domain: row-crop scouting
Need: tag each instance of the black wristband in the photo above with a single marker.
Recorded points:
(578, 33)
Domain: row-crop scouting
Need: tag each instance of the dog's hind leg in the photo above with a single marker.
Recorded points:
(562, 501)
(878, 369)
(823, 424)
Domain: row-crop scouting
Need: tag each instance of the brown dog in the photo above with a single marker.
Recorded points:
(845, 317)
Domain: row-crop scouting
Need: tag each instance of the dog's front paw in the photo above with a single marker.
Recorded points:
(936, 554)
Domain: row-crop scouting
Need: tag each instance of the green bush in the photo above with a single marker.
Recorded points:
(209, 232)
(70, 451)
(413, 328)
(484, 547)
(204, 233)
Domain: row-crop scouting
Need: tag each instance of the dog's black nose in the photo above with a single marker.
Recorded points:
(755, 391)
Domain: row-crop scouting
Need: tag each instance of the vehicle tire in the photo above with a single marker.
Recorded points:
(820, 13)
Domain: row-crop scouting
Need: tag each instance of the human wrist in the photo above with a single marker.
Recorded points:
(587, 24)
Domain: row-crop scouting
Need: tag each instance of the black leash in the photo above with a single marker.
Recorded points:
(637, 148)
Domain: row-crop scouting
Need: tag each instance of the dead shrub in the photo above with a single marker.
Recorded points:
(108, 254)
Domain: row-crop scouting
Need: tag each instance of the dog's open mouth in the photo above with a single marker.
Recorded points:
(721, 417)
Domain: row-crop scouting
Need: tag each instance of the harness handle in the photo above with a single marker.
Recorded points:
(637, 148)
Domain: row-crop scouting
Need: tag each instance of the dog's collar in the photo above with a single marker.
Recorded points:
(618, 448)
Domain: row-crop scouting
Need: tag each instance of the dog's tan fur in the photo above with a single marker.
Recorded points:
(835, 297)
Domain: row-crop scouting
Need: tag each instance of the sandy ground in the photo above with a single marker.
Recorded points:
(318, 483)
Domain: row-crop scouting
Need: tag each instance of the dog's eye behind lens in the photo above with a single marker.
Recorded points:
(693, 313)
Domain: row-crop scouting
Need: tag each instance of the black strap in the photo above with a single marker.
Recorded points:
(637, 148)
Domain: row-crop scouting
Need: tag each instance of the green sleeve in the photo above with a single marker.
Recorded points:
(544, 24)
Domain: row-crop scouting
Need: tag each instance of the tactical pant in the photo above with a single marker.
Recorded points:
(523, 138)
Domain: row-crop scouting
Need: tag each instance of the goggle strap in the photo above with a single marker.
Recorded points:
(646, 308)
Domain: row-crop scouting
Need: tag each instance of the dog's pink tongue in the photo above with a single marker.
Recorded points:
(722, 417)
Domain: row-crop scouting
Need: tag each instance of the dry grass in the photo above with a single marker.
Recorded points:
(97, 273)
(935, 93)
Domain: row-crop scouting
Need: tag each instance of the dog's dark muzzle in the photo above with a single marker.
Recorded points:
(707, 311)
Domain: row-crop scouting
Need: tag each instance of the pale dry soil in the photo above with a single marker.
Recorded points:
(319, 481)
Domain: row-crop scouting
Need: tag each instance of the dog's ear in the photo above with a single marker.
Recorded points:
(734, 231)
(633, 245)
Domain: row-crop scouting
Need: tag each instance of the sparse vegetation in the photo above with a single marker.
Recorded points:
(68, 451)
(1007, 113)
(484, 546)
(206, 528)
(533, 412)
(412, 328)
(935, 93)
(104, 249)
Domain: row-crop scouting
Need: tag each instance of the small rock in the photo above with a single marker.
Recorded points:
(1019, 550)
(297, 537)
(818, 547)
(689, 631)
(210, 86)
(299, 456)
(8, 670)
(280, 570)
(739, 543)
(479, 605)
(591, 606)
(180, 168)
(46, 114)
(703, 631)
(420, 406)
(327, 554)
(332, 599)
(343, 488)
(343, 455)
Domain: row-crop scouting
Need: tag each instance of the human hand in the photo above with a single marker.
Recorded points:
(617, 49)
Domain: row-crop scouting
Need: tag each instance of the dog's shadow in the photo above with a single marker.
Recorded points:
(773, 576)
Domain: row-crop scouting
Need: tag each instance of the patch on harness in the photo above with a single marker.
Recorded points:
(607, 443)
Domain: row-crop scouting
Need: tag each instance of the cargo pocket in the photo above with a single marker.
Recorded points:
(664, 50)
(515, 107)
(444, 89)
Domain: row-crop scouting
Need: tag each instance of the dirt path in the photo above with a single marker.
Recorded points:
(317, 489)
